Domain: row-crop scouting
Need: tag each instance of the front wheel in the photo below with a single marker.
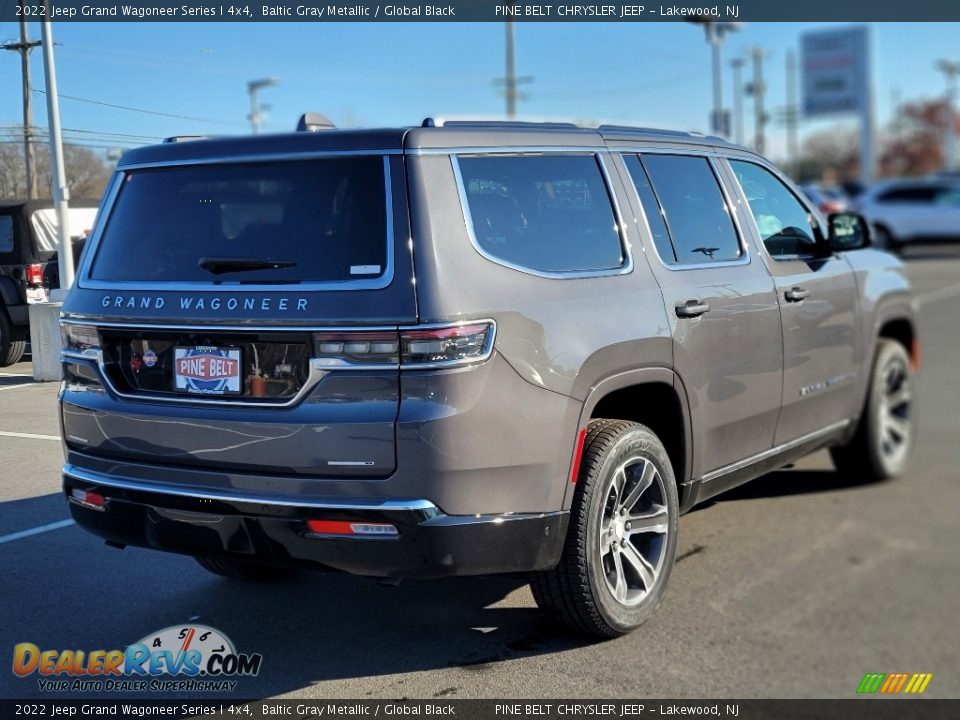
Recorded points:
(881, 446)
(622, 537)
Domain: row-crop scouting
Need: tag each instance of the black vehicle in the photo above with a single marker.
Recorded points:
(28, 268)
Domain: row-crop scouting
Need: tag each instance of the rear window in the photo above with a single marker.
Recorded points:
(260, 222)
(546, 213)
(6, 234)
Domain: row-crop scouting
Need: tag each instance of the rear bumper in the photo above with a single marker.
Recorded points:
(428, 543)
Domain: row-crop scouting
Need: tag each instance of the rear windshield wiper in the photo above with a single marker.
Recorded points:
(221, 265)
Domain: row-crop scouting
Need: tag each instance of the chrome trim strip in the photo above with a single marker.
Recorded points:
(783, 447)
(85, 281)
(745, 259)
(351, 504)
(624, 269)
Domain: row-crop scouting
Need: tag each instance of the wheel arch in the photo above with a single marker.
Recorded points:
(655, 397)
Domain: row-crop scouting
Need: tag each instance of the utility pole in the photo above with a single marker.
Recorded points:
(510, 82)
(23, 47)
(257, 110)
(737, 65)
(950, 70)
(757, 90)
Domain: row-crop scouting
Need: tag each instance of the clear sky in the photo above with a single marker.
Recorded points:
(652, 74)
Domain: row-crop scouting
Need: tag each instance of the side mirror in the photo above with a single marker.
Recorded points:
(848, 231)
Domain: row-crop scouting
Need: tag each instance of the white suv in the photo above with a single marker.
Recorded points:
(908, 211)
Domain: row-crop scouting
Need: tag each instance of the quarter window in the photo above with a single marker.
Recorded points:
(683, 192)
(549, 213)
(785, 225)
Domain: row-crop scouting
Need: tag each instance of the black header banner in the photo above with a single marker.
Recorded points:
(877, 709)
(476, 11)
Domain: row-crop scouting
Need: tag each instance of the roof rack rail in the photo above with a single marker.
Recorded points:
(659, 131)
(184, 138)
(493, 124)
(314, 122)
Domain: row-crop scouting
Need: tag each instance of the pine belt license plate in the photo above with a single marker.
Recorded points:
(204, 370)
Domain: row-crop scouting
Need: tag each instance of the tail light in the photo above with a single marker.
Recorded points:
(421, 347)
(35, 274)
(79, 337)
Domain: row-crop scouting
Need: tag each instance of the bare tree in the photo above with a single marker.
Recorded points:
(86, 172)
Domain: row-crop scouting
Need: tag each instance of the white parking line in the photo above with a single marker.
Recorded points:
(942, 293)
(29, 436)
(35, 531)
(3, 374)
(14, 387)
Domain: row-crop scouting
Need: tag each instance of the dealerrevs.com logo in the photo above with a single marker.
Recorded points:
(175, 659)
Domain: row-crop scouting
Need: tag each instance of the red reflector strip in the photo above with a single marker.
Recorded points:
(577, 454)
(352, 529)
(92, 500)
(915, 355)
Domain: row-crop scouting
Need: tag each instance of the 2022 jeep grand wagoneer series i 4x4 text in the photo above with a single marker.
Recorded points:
(469, 349)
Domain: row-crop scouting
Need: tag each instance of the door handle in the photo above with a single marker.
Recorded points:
(692, 308)
(796, 294)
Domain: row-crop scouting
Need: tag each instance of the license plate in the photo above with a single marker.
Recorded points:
(207, 370)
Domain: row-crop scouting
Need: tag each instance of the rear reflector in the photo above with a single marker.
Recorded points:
(35, 274)
(915, 355)
(577, 454)
(91, 500)
(351, 529)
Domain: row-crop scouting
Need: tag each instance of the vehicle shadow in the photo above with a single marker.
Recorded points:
(312, 628)
(789, 481)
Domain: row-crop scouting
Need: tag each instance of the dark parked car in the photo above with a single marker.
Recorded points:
(28, 240)
(470, 349)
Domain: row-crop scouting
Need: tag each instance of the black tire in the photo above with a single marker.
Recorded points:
(578, 592)
(13, 341)
(240, 569)
(881, 446)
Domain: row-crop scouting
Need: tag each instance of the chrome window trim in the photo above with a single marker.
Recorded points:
(745, 259)
(86, 282)
(627, 263)
(97, 478)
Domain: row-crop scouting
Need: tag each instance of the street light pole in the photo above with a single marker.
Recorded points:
(950, 72)
(61, 194)
(715, 32)
(737, 65)
(256, 115)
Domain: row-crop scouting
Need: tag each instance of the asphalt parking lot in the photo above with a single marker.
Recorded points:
(792, 586)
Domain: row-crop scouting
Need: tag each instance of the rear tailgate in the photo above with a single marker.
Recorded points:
(209, 357)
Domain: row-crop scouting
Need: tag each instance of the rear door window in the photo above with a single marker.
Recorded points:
(547, 213)
(258, 222)
(692, 207)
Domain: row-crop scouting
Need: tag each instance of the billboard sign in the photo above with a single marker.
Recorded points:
(835, 69)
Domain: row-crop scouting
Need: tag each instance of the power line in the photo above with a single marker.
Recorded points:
(103, 133)
(146, 112)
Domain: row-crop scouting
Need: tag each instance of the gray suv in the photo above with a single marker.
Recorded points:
(470, 349)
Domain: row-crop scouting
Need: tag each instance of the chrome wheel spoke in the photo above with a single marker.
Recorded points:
(639, 565)
(898, 426)
(901, 396)
(654, 521)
